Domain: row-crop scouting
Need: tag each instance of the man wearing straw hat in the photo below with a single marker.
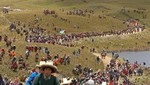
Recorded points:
(38, 71)
(46, 78)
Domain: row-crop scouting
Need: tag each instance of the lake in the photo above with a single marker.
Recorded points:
(140, 56)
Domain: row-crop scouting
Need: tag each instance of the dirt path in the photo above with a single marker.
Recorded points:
(106, 60)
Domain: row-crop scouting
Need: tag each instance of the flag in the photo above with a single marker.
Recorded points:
(62, 32)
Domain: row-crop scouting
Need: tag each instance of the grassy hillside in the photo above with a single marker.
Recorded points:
(54, 49)
(119, 43)
(111, 9)
(93, 24)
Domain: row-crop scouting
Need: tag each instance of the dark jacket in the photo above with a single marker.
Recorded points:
(40, 80)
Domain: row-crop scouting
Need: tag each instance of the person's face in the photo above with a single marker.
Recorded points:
(47, 71)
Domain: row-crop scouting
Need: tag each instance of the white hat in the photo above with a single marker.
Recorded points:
(49, 64)
(41, 63)
(66, 81)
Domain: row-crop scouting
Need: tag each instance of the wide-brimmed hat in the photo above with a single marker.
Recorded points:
(40, 64)
(66, 81)
(49, 64)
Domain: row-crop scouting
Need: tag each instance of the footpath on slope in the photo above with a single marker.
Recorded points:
(106, 60)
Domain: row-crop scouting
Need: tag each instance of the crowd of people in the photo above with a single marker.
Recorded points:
(115, 73)
(80, 12)
(40, 35)
(42, 74)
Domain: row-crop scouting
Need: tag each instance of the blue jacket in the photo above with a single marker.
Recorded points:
(31, 78)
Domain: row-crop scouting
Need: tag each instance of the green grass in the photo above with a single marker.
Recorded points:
(86, 24)
(92, 24)
(119, 43)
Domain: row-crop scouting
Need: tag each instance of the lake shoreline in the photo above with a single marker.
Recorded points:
(129, 50)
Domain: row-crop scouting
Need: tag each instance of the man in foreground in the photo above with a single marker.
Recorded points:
(46, 78)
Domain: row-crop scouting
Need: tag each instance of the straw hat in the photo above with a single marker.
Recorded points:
(40, 64)
(66, 81)
(49, 64)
